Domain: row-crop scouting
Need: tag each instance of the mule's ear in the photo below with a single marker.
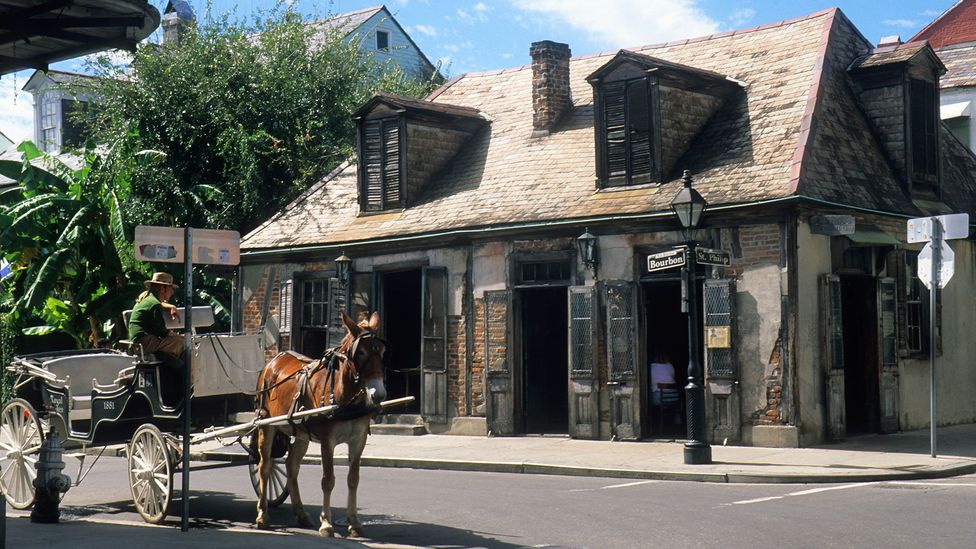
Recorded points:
(374, 321)
(349, 323)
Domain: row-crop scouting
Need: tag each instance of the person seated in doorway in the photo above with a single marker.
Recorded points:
(662, 372)
(147, 325)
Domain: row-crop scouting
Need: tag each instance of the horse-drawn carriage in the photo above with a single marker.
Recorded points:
(102, 397)
(99, 397)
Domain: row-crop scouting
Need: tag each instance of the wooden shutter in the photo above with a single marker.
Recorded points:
(380, 144)
(499, 376)
(433, 344)
(625, 377)
(285, 297)
(337, 303)
(888, 352)
(832, 330)
(924, 132)
(639, 131)
(615, 132)
(584, 411)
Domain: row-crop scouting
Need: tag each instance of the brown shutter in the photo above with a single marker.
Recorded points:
(391, 164)
(639, 131)
(373, 165)
(615, 133)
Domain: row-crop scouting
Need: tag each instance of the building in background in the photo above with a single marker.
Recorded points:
(953, 36)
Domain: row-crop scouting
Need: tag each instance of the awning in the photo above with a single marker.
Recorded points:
(955, 110)
(34, 33)
(866, 234)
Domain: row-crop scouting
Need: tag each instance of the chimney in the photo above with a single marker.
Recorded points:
(177, 17)
(550, 84)
(891, 40)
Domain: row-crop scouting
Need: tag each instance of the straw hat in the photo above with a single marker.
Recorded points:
(163, 279)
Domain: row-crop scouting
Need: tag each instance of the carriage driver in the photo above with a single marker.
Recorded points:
(147, 326)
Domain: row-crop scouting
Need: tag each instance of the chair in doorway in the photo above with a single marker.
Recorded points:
(668, 405)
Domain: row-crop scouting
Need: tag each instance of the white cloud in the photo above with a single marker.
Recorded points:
(931, 13)
(741, 16)
(623, 23)
(426, 30)
(16, 108)
(463, 14)
(902, 23)
(481, 7)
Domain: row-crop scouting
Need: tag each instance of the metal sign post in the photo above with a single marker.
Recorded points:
(187, 363)
(935, 268)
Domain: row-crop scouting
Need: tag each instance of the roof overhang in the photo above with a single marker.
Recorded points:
(35, 33)
(955, 110)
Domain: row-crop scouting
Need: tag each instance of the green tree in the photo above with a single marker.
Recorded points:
(62, 229)
(247, 115)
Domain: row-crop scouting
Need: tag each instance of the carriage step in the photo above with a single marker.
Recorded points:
(397, 429)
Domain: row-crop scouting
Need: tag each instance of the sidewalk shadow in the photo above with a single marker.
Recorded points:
(955, 440)
(224, 510)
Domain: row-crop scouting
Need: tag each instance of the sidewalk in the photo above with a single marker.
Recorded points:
(899, 456)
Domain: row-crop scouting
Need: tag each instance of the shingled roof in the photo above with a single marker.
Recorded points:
(796, 131)
(960, 62)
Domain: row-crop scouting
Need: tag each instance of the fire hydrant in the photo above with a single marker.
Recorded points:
(50, 482)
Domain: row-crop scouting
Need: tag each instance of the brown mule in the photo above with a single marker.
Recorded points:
(354, 382)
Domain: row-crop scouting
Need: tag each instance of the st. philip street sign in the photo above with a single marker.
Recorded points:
(672, 259)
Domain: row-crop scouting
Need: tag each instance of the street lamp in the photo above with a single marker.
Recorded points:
(588, 249)
(343, 266)
(688, 205)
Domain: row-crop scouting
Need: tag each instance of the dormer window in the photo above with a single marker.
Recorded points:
(647, 112)
(627, 136)
(381, 143)
(923, 120)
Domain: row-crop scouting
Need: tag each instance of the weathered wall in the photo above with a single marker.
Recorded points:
(401, 52)
(814, 261)
(683, 113)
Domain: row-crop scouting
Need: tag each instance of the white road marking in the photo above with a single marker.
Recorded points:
(802, 493)
(625, 485)
(949, 484)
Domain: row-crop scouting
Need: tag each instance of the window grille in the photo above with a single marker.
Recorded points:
(285, 306)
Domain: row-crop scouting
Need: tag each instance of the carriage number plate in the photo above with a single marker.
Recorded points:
(109, 405)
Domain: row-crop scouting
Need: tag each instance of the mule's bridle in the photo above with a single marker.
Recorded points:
(351, 357)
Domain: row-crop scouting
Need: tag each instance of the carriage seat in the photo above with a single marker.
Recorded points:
(203, 317)
(87, 372)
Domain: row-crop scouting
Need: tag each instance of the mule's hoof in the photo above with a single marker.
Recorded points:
(261, 524)
(327, 531)
(356, 532)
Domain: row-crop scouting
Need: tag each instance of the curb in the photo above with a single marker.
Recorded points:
(566, 470)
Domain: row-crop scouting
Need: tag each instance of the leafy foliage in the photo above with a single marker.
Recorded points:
(62, 229)
(247, 115)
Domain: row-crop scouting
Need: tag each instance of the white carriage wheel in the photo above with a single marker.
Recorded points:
(20, 446)
(277, 484)
(150, 473)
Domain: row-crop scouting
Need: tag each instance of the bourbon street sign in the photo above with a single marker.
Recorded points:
(666, 260)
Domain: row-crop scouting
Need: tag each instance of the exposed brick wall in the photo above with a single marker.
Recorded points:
(478, 360)
(551, 96)
(753, 245)
(772, 413)
(455, 364)
(955, 27)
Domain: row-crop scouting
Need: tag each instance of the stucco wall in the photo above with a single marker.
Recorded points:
(814, 261)
(956, 367)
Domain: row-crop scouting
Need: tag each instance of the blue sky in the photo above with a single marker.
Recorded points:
(477, 35)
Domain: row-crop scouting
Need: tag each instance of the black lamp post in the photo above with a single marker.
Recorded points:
(588, 250)
(688, 205)
(343, 266)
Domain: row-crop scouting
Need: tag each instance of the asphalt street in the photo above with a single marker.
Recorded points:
(403, 507)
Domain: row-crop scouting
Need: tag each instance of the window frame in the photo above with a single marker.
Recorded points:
(924, 142)
(50, 103)
(914, 297)
(386, 205)
(631, 177)
(386, 39)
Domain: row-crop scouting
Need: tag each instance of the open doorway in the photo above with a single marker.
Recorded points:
(545, 359)
(667, 340)
(861, 374)
(401, 319)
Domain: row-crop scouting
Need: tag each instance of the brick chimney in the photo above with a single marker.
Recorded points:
(550, 84)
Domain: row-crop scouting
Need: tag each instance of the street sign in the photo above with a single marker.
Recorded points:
(832, 225)
(946, 269)
(165, 245)
(708, 256)
(953, 226)
(666, 260)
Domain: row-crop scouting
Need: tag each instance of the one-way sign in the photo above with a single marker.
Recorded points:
(666, 260)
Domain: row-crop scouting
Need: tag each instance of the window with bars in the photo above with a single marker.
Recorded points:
(315, 303)
(924, 130)
(629, 143)
(544, 272)
(381, 165)
(916, 310)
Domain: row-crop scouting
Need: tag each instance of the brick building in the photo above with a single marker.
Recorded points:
(953, 35)
(462, 215)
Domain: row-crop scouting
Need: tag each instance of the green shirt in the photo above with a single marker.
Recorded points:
(147, 318)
